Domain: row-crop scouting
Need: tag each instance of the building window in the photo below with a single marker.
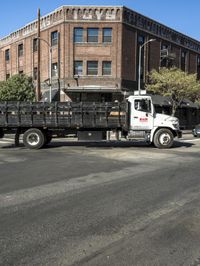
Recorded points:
(92, 68)
(107, 35)
(164, 55)
(198, 61)
(21, 72)
(183, 60)
(92, 35)
(35, 70)
(141, 39)
(198, 67)
(20, 50)
(106, 68)
(7, 54)
(78, 35)
(7, 76)
(78, 68)
(35, 45)
(54, 70)
(54, 38)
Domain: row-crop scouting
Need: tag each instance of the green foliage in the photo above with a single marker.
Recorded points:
(175, 84)
(17, 88)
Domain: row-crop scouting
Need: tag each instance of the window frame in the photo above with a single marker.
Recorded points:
(93, 68)
(92, 38)
(76, 71)
(107, 36)
(54, 72)
(104, 69)
(54, 41)
(20, 50)
(77, 36)
(35, 70)
(7, 55)
(35, 45)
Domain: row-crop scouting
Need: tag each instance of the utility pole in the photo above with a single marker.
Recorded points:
(140, 63)
(38, 89)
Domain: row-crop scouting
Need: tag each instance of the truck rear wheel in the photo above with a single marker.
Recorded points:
(34, 139)
(163, 138)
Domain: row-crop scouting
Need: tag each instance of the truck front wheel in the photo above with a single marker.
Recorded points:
(33, 139)
(163, 138)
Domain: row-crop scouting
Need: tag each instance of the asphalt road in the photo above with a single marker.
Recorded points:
(100, 204)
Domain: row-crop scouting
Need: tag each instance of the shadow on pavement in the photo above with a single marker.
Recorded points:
(102, 144)
(113, 144)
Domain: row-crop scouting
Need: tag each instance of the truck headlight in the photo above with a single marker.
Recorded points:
(176, 125)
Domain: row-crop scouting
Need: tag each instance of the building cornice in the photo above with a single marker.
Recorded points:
(159, 30)
(66, 14)
(104, 14)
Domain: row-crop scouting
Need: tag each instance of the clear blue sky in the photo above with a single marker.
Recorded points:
(182, 15)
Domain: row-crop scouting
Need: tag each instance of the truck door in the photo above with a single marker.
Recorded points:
(141, 115)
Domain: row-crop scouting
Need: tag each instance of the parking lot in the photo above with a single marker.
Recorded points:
(100, 204)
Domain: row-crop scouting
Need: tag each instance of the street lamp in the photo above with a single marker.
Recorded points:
(50, 67)
(140, 59)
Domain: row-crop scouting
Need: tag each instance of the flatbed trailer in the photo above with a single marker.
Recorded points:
(66, 115)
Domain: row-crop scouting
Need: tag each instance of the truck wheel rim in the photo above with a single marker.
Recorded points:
(33, 139)
(165, 139)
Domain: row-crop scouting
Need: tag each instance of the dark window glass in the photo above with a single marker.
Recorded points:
(198, 67)
(20, 50)
(78, 35)
(107, 35)
(143, 105)
(35, 73)
(54, 38)
(21, 72)
(92, 68)
(183, 60)
(78, 68)
(92, 35)
(198, 62)
(54, 69)
(141, 39)
(7, 54)
(35, 45)
(106, 68)
(7, 76)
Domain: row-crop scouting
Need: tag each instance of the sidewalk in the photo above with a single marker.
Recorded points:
(186, 131)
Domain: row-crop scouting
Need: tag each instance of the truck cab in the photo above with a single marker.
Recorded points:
(144, 122)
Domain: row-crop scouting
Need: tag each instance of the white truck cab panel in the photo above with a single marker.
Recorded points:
(159, 129)
(141, 113)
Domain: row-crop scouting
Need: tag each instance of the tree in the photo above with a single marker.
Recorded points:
(17, 88)
(176, 84)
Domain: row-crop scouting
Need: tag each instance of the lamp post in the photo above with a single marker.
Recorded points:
(50, 67)
(140, 59)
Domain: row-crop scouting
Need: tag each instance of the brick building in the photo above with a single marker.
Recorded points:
(95, 51)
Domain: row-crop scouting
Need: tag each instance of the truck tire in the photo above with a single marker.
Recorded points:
(33, 139)
(163, 138)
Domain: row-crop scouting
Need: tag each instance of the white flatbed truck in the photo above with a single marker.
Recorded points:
(135, 118)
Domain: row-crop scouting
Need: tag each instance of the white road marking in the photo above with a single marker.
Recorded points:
(6, 141)
(48, 190)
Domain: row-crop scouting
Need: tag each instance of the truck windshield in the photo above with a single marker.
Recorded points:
(143, 105)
